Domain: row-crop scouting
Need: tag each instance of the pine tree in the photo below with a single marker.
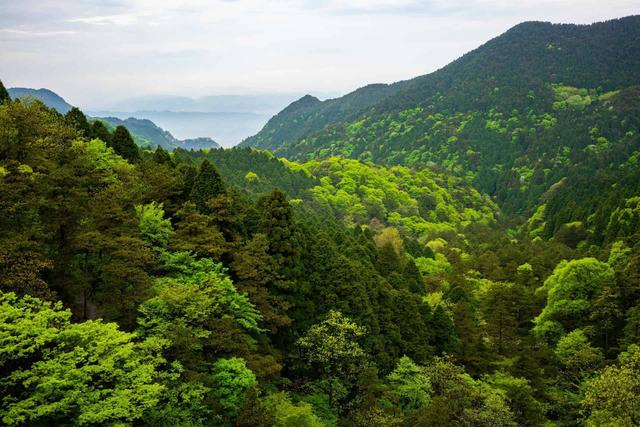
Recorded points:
(100, 131)
(207, 185)
(122, 143)
(388, 260)
(445, 337)
(161, 156)
(276, 223)
(76, 119)
(4, 95)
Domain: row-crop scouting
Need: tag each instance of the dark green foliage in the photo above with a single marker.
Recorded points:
(207, 185)
(77, 120)
(236, 164)
(122, 143)
(4, 95)
(100, 131)
(276, 223)
(162, 157)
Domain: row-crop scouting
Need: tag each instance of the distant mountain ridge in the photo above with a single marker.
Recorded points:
(146, 132)
(259, 104)
(48, 97)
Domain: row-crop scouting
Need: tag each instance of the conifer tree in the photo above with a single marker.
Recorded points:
(76, 119)
(100, 131)
(207, 185)
(4, 95)
(276, 223)
(122, 143)
(161, 156)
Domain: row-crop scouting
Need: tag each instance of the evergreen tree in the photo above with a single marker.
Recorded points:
(122, 143)
(207, 185)
(388, 260)
(4, 95)
(445, 338)
(276, 223)
(196, 233)
(77, 120)
(188, 173)
(162, 157)
(100, 131)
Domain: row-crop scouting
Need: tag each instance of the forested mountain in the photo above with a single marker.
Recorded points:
(505, 115)
(512, 71)
(49, 98)
(461, 249)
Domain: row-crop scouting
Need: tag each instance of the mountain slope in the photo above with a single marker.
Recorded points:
(499, 74)
(538, 104)
(309, 114)
(46, 96)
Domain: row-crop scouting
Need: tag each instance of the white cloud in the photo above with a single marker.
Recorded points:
(120, 19)
(30, 34)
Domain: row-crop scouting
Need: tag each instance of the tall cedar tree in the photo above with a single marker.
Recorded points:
(77, 120)
(100, 131)
(276, 223)
(161, 156)
(4, 95)
(207, 185)
(122, 143)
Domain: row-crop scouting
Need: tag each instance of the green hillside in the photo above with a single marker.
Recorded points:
(540, 107)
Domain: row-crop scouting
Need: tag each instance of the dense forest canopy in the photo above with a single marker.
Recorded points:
(461, 249)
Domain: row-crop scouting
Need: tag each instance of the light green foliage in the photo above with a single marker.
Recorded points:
(625, 220)
(231, 381)
(194, 293)
(411, 384)
(251, 176)
(88, 373)
(288, 414)
(611, 399)
(333, 346)
(433, 266)
(572, 97)
(520, 396)
(154, 228)
(571, 290)
(420, 202)
(576, 354)
(619, 256)
(105, 161)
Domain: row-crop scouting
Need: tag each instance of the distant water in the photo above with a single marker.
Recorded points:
(227, 129)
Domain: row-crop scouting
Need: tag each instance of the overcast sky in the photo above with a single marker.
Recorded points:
(94, 52)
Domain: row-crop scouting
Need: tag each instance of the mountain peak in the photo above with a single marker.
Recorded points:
(46, 96)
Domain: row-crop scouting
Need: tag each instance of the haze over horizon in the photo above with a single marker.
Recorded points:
(99, 53)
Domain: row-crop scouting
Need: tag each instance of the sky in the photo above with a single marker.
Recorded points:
(97, 52)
